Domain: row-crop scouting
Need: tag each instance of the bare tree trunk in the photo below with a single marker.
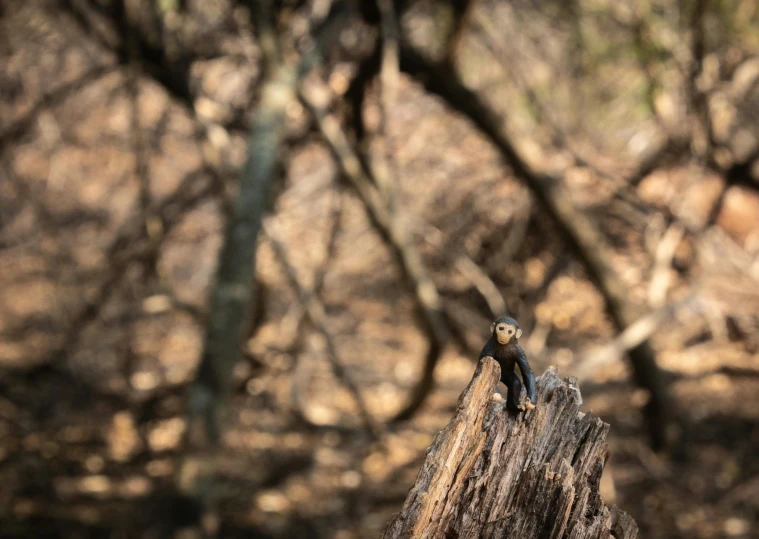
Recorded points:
(492, 473)
(231, 296)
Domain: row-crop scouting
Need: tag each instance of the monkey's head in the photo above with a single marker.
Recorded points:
(506, 330)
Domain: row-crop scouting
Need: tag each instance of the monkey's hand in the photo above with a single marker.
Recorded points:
(528, 405)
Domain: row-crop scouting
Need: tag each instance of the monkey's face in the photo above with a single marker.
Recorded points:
(505, 332)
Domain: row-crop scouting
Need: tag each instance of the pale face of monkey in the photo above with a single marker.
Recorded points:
(505, 332)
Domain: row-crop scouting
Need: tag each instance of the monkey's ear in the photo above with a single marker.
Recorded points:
(492, 327)
(519, 333)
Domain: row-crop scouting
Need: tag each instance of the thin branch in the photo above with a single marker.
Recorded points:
(702, 139)
(641, 31)
(576, 226)
(647, 163)
(635, 334)
(318, 317)
(484, 285)
(296, 318)
(462, 10)
(544, 116)
(477, 276)
(390, 66)
(514, 237)
(16, 131)
(130, 245)
(665, 251)
(389, 77)
(385, 173)
(655, 157)
(397, 236)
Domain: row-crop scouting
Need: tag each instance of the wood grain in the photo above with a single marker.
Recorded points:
(493, 473)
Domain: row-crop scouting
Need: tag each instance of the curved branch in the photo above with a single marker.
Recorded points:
(316, 314)
(231, 296)
(397, 236)
(578, 229)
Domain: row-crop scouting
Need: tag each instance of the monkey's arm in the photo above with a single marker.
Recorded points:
(488, 350)
(527, 375)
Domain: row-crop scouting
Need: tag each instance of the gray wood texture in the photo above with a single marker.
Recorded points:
(493, 473)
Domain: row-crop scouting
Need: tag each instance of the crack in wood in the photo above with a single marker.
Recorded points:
(493, 473)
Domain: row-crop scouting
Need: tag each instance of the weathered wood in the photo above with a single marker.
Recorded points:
(493, 473)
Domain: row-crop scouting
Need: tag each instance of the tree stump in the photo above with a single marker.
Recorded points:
(495, 473)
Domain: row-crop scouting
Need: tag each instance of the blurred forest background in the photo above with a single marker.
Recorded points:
(402, 172)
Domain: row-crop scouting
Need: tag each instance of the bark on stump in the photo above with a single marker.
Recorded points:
(493, 473)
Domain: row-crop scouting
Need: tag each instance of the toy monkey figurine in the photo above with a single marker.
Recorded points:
(504, 347)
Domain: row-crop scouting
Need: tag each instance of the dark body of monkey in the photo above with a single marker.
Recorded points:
(504, 347)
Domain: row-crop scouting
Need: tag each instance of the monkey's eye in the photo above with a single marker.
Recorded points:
(501, 328)
(511, 331)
